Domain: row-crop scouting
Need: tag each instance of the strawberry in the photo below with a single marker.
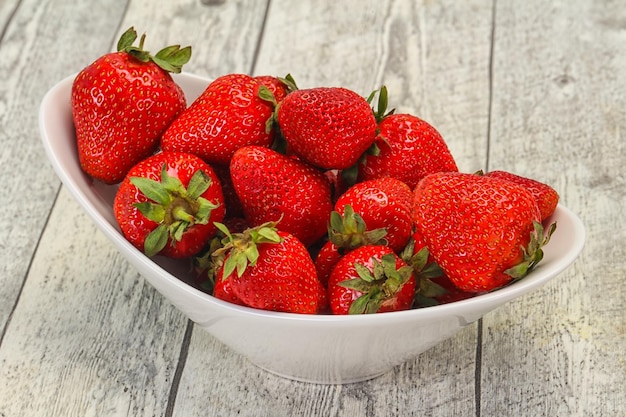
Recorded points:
(325, 260)
(224, 291)
(273, 187)
(268, 269)
(384, 203)
(328, 127)
(406, 148)
(547, 198)
(483, 232)
(167, 204)
(228, 115)
(345, 233)
(275, 85)
(371, 279)
(231, 200)
(122, 103)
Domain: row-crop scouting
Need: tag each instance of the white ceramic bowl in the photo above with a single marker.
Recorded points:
(321, 349)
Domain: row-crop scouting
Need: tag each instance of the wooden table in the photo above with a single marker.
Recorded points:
(534, 87)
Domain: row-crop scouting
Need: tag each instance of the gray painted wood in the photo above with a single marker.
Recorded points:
(38, 48)
(535, 88)
(558, 114)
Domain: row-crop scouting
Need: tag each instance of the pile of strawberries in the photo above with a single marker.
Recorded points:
(299, 200)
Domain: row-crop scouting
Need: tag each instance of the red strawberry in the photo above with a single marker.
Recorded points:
(547, 198)
(231, 200)
(228, 115)
(276, 86)
(407, 148)
(482, 231)
(345, 233)
(224, 291)
(167, 204)
(273, 187)
(384, 203)
(325, 260)
(371, 279)
(122, 103)
(329, 127)
(270, 270)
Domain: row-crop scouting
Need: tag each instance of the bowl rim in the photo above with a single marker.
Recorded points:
(478, 303)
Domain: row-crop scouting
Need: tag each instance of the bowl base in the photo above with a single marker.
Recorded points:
(335, 380)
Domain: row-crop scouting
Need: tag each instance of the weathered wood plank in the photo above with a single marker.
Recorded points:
(7, 8)
(89, 336)
(558, 115)
(223, 34)
(433, 58)
(217, 382)
(39, 48)
(361, 46)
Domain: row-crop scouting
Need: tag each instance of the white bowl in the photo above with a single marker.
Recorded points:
(321, 349)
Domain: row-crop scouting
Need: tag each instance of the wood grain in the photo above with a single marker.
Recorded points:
(556, 118)
(35, 36)
(384, 33)
(89, 336)
(533, 87)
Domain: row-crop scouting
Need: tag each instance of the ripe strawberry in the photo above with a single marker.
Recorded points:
(329, 127)
(325, 260)
(406, 148)
(547, 198)
(270, 270)
(345, 233)
(273, 187)
(483, 232)
(122, 103)
(228, 115)
(384, 203)
(277, 87)
(231, 200)
(224, 291)
(371, 279)
(167, 204)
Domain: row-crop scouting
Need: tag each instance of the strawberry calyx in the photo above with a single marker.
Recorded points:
(533, 253)
(240, 250)
(349, 231)
(267, 95)
(419, 261)
(170, 59)
(289, 82)
(378, 285)
(280, 144)
(350, 174)
(205, 266)
(380, 111)
(172, 206)
(424, 271)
